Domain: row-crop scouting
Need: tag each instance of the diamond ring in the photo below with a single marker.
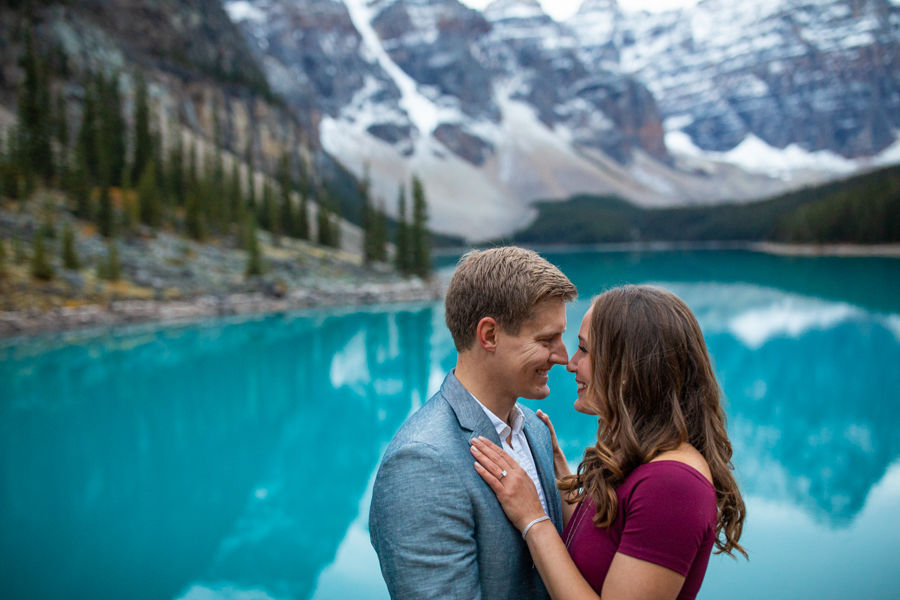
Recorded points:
(502, 474)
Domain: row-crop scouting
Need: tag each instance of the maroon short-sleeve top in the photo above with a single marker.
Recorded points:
(667, 516)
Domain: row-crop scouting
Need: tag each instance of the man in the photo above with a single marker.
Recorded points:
(437, 527)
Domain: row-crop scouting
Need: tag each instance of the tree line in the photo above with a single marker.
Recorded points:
(185, 185)
(863, 209)
(412, 240)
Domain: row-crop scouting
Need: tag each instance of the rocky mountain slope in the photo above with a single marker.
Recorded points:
(494, 109)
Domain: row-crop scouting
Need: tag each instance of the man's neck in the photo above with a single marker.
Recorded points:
(477, 379)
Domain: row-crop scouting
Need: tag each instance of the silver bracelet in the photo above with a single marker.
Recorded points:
(535, 522)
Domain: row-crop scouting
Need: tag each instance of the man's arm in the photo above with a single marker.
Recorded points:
(422, 527)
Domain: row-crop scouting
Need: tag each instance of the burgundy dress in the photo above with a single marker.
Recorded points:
(667, 516)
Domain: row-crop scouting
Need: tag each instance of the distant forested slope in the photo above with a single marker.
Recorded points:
(864, 209)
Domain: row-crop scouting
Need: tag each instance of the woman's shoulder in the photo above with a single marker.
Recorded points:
(667, 483)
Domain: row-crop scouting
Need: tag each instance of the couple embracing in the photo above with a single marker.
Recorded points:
(474, 499)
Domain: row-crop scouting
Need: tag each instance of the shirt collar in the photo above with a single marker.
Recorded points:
(500, 425)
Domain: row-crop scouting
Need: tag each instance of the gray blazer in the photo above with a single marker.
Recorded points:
(436, 525)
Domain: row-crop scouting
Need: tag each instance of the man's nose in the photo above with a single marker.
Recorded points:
(559, 355)
(572, 365)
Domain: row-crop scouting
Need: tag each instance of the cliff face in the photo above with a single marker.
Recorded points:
(824, 75)
(204, 83)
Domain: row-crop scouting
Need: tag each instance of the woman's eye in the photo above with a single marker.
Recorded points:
(583, 349)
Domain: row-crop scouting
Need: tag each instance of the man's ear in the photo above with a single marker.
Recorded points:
(486, 333)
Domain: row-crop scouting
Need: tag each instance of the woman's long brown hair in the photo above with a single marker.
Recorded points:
(654, 389)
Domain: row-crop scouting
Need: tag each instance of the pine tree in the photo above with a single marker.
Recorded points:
(88, 137)
(69, 255)
(287, 210)
(149, 199)
(9, 168)
(143, 141)
(368, 217)
(80, 187)
(323, 221)
(2, 259)
(335, 225)
(381, 233)
(40, 265)
(105, 217)
(193, 216)
(111, 126)
(401, 257)
(303, 217)
(421, 243)
(35, 120)
(110, 269)
(62, 137)
(177, 184)
(235, 197)
(254, 255)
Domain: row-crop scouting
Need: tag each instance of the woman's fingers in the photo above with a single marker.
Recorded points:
(497, 454)
(489, 479)
(487, 463)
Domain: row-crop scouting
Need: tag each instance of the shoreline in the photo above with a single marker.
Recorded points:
(774, 248)
(27, 323)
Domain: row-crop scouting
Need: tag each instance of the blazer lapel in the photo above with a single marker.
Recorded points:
(470, 415)
(543, 460)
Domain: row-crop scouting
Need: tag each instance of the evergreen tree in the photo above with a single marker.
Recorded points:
(69, 255)
(143, 141)
(368, 217)
(149, 199)
(287, 210)
(323, 221)
(80, 187)
(267, 218)
(335, 218)
(235, 197)
(105, 217)
(193, 215)
(421, 243)
(110, 269)
(254, 255)
(87, 137)
(303, 217)
(379, 233)
(9, 168)
(2, 259)
(111, 126)
(40, 265)
(177, 183)
(62, 136)
(131, 211)
(35, 120)
(401, 256)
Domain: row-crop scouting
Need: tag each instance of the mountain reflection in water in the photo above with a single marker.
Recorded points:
(234, 459)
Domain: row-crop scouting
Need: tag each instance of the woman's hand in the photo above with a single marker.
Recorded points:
(515, 490)
(560, 464)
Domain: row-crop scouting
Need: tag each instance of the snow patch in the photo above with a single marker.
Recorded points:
(349, 367)
(756, 156)
(241, 10)
(792, 317)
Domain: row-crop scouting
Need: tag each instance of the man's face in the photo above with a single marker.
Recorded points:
(524, 360)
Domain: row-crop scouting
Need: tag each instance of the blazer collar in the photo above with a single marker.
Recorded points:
(543, 460)
(468, 412)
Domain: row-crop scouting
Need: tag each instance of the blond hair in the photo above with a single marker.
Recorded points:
(505, 283)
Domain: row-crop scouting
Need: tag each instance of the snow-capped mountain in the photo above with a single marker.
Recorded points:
(727, 101)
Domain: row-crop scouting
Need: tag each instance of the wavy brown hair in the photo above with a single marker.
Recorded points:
(653, 387)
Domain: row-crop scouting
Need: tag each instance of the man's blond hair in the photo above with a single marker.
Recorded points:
(505, 283)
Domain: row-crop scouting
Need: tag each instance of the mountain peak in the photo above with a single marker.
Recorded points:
(599, 6)
(501, 10)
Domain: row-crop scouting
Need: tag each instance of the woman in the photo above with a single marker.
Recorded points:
(656, 492)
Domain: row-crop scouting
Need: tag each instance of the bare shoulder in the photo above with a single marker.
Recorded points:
(690, 456)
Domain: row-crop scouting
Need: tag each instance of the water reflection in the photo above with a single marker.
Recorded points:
(230, 453)
(235, 459)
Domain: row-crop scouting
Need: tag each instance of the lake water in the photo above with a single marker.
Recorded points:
(234, 459)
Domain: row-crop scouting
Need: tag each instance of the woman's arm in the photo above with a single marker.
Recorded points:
(560, 469)
(628, 578)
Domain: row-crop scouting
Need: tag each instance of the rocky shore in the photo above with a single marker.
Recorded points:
(126, 312)
(167, 277)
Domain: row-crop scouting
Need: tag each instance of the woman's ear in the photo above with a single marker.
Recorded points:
(486, 333)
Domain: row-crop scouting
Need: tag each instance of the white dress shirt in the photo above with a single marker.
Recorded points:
(519, 450)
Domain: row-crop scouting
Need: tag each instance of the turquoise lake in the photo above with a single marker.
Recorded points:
(234, 459)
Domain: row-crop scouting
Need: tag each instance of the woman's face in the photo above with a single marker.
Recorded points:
(580, 364)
